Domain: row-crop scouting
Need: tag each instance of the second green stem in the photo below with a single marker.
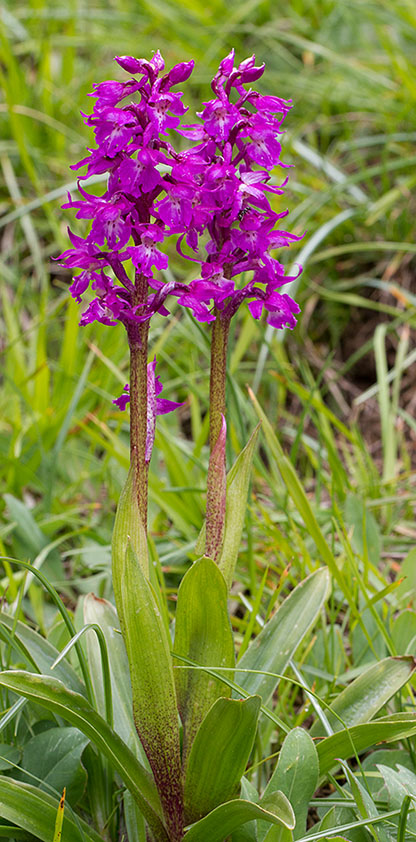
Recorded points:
(215, 521)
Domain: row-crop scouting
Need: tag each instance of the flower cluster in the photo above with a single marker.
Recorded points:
(229, 167)
(214, 196)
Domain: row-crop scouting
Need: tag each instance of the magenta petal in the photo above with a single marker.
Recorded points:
(255, 308)
(164, 406)
(133, 65)
(155, 406)
(122, 402)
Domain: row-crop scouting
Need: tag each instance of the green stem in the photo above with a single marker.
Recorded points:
(219, 343)
(215, 520)
(138, 341)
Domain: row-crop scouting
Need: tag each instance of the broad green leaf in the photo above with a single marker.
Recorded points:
(128, 530)
(54, 758)
(54, 696)
(408, 779)
(388, 757)
(238, 480)
(343, 744)
(219, 754)
(226, 818)
(153, 687)
(248, 791)
(247, 832)
(203, 634)
(9, 757)
(296, 775)
(364, 697)
(281, 636)
(399, 784)
(279, 834)
(41, 653)
(35, 812)
(100, 611)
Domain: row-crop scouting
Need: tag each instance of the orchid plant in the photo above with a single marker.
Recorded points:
(183, 748)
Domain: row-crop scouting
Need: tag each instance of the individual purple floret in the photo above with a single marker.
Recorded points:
(155, 405)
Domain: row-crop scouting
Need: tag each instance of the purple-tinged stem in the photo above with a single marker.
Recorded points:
(138, 339)
(215, 519)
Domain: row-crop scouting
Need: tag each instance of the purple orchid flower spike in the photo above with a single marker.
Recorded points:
(215, 197)
(155, 405)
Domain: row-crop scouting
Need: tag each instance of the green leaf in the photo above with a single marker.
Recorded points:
(9, 757)
(279, 834)
(54, 696)
(35, 812)
(153, 687)
(399, 784)
(343, 744)
(281, 636)
(100, 611)
(364, 697)
(388, 757)
(41, 653)
(128, 530)
(238, 480)
(219, 754)
(54, 758)
(247, 832)
(296, 775)
(203, 634)
(226, 818)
